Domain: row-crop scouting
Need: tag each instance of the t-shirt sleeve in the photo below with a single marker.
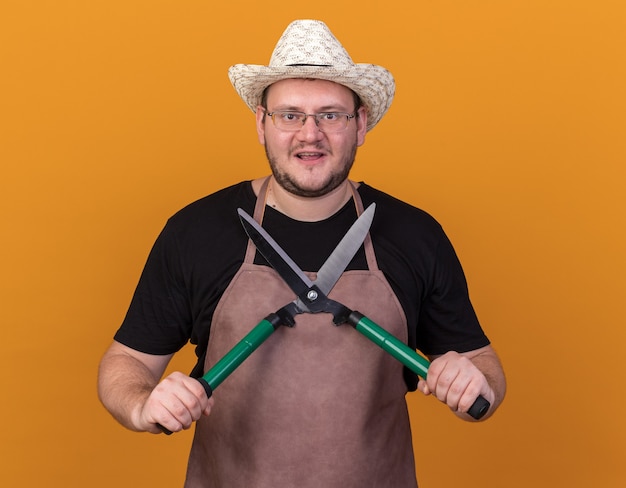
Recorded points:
(158, 320)
(447, 320)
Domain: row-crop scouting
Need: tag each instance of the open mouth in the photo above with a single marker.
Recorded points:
(309, 155)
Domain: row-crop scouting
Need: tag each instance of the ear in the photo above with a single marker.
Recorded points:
(260, 124)
(361, 121)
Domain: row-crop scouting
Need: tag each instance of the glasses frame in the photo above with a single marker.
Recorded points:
(316, 118)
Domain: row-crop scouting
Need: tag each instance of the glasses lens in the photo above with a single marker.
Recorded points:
(326, 122)
(288, 120)
(332, 122)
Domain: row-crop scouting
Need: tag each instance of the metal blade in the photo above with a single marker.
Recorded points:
(338, 261)
(288, 270)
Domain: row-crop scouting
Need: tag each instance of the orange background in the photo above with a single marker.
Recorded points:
(508, 126)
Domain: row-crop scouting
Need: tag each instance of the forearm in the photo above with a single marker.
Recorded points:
(489, 364)
(124, 385)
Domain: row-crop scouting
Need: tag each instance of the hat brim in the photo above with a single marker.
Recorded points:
(373, 84)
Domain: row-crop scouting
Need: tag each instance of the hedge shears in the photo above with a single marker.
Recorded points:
(313, 298)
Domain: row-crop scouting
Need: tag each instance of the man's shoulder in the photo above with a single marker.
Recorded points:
(215, 206)
(396, 211)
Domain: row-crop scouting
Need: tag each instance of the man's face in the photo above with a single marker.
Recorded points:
(309, 162)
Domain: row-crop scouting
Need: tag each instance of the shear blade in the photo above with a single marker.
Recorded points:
(290, 272)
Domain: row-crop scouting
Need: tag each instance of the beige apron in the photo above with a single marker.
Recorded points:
(316, 405)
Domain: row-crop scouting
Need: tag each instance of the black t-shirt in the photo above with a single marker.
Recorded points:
(203, 245)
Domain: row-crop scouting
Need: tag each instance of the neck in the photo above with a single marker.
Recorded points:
(305, 209)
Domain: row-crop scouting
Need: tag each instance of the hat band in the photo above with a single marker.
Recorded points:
(314, 65)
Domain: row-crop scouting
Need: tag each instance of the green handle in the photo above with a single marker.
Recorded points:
(407, 356)
(390, 344)
(233, 358)
(237, 355)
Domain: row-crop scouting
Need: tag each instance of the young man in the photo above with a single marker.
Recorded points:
(315, 405)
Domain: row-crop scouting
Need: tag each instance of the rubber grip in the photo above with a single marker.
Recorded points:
(206, 386)
(479, 408)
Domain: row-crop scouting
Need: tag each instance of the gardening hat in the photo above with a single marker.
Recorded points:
(308, 49)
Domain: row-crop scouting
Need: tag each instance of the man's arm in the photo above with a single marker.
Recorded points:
(457, 379)
(129, 388)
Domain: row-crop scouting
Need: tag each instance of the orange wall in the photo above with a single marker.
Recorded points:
(508, 126)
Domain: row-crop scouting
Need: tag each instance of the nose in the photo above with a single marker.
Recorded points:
(310, 130)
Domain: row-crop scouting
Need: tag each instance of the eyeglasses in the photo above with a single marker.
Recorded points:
(325, 121)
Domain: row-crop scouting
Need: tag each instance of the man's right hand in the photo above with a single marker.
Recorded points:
(175, 403)
(129, 388)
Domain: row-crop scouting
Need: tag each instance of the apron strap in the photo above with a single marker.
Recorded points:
(259, 210)
(372, 264)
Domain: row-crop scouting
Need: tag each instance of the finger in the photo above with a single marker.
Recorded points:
(160, 419)
(434, 371)
(444, 389)
(198, 390)
(441, 375)
(422, 386)
(465, 388)
(189, 403)
(175, 405)
(473, 390)
(457, 392)
(210, 404)
(207, 410)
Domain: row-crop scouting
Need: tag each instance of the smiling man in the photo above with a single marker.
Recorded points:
(311, 155)
(316, 405)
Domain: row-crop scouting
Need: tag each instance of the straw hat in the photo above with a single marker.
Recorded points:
(308, 49)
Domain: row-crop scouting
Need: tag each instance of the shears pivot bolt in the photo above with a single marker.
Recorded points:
(312, 295)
